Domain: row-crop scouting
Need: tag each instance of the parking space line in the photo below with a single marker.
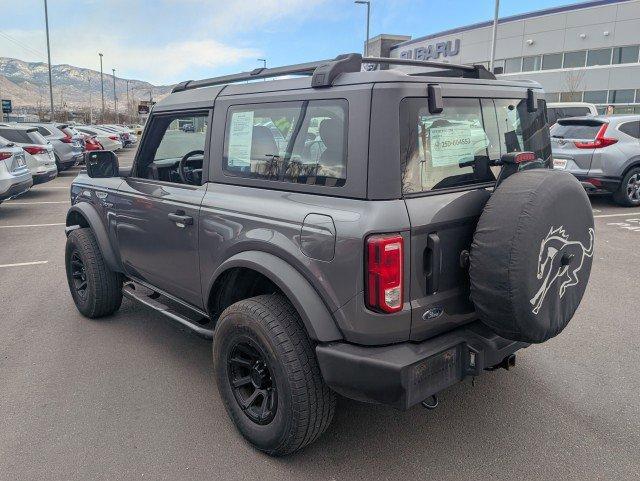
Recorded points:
(20, 264)
(29, 225)
(628, 214)
(35, 202)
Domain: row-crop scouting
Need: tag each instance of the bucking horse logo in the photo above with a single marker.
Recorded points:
(560, 259)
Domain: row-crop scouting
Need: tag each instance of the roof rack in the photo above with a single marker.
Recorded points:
(446, 69)
(324, 72)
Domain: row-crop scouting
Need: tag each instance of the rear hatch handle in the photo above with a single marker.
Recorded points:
(433, 262)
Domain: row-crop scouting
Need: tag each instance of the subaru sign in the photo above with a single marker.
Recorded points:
(6, 106)
(433, 51)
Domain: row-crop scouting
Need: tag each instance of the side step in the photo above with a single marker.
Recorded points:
(136, 293)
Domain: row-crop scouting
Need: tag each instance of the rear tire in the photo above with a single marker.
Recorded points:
(628, 194)
(58, 163)
(96, 289)
(262, 339)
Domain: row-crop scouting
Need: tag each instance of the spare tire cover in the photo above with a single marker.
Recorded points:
(531, 255)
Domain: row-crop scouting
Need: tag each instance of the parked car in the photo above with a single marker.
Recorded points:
(601, 151)
(136, 129)
(562, 110)
(92, 143)
(109, 140)
(67, 150)
(15, 178)
(124, 137)
(398, 261)
(38, 151)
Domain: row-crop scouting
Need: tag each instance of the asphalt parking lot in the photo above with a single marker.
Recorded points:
(132, 396)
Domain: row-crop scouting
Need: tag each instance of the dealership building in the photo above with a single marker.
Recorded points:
(587, 52)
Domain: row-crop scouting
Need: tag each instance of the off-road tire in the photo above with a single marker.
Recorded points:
(621, 196)
(305, 405)
(104, 287)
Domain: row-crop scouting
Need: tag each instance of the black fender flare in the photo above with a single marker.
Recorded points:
(315, 315)
(89, 214)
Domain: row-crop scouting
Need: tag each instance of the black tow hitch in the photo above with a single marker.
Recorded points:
(507, 363)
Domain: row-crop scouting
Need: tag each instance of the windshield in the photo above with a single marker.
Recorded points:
(461, 145)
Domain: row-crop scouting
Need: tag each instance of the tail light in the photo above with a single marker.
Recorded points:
(33, 150)
(5, 155)
(599, 142)
(384, 273)
(114, 137)
(66, 140)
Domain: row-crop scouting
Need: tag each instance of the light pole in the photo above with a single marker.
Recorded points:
(46, 23)
(101, 88)
(368, 4)
(128, 103)
(495, 35)
(115, 99)
(90, 106)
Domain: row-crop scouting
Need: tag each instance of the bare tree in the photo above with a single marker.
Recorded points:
(573, 85)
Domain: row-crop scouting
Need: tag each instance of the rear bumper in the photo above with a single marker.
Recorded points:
(402, 375)
(45, 176)
(16, 189)
(594, 183)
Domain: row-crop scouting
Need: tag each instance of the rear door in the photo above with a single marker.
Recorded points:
(447, 172)
(158, 212)
(570, 139)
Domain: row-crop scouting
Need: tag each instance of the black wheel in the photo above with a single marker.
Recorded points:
(96, 290)
(58, 163)
(268, 376)
(629, 192)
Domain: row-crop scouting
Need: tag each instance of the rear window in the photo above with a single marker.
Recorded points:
(459, 147)
(297, 142)
(21, 136)
(576, 111)
(575, 130)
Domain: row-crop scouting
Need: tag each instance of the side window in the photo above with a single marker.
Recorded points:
(171, 137)
(43, 131)
(631, 128)
(297, 142)
(450, 149)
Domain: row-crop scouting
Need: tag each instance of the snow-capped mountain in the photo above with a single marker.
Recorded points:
(27, 84)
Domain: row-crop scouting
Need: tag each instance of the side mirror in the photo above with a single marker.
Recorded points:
(102, 164)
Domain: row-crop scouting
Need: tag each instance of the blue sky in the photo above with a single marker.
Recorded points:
(166, 41)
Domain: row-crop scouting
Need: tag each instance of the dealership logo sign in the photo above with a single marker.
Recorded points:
(433, 51)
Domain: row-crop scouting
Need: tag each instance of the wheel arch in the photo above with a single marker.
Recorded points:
(83, 215)
(318, 321)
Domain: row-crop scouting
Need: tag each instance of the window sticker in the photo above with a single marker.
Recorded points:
(240, 138)
(451, 145)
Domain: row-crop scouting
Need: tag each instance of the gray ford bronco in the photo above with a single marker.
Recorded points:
(378, 234)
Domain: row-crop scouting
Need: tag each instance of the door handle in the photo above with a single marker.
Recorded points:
(181, 219)
(434, 261)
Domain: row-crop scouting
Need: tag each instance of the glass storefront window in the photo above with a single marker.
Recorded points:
(600, 56)
(571, 97)
(625, 54)
(596, 96)
(621, 96)
(552, 61)
(513, 65)
(574, 59)
(530, 64)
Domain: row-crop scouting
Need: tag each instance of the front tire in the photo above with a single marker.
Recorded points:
(96, 289)
(628, 194)
(268, 375)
